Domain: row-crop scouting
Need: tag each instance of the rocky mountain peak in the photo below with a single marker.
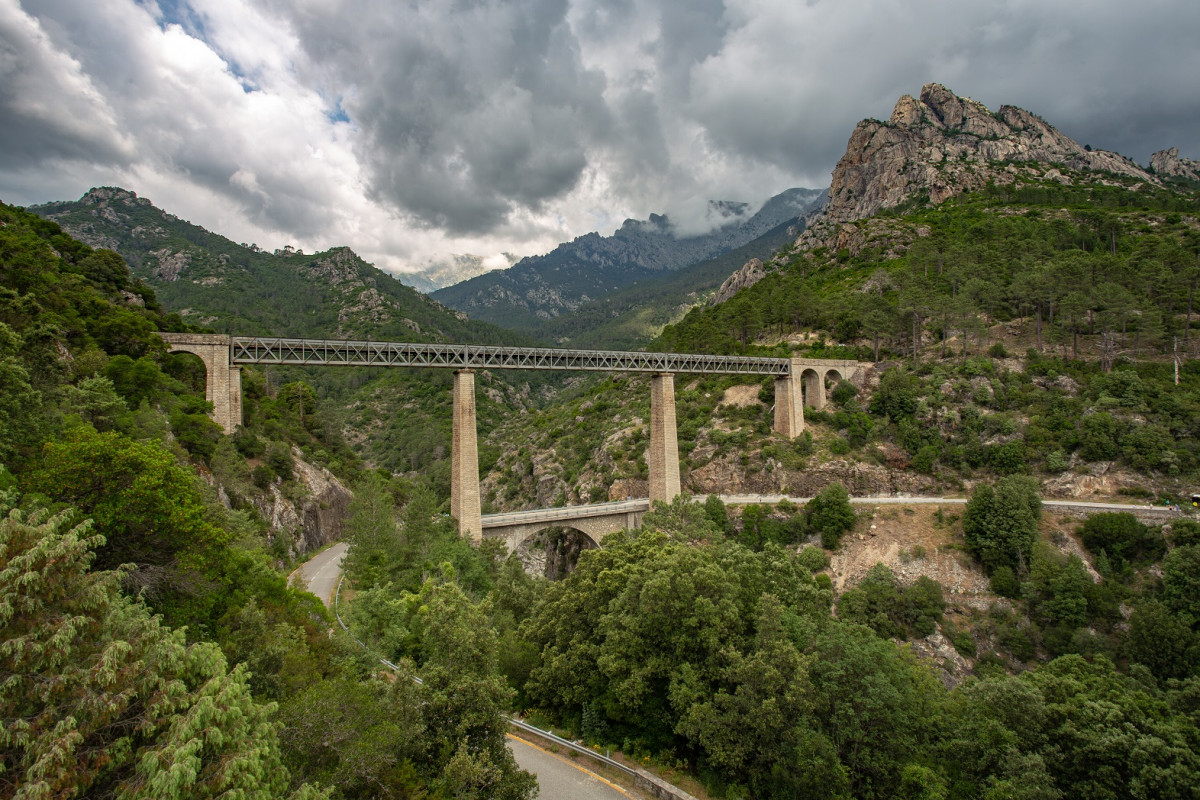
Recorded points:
(1170, 164)
(105, 195)
(941, 145)
(751, 273)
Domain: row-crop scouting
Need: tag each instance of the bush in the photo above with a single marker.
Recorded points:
(263, 476)
(1004, 582)
(844, 392)
(813, 559)
(830, 513)
(1185, 532)
(279, 456)
(1000, 524)
(1122, 537)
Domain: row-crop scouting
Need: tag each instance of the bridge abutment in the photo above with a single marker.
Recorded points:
(464, 459)
(663, 458)
(222, 382)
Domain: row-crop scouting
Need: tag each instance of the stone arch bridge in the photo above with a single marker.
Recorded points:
(798, 382)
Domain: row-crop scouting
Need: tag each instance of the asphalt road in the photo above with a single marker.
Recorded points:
(560, 778)
(321, 572)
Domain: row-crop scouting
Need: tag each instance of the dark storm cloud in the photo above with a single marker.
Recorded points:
(465, 110)
(495, 126)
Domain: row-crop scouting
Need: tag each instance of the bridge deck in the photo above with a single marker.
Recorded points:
(564, 513)
(257, 350)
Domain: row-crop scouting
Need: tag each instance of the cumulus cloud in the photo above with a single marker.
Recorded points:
(416, 130)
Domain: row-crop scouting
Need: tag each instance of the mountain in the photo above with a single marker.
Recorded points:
(632, 316)
(210, 280)
(593, 266)
(943, 145)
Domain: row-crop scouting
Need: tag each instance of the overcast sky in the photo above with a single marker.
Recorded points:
(414, 130)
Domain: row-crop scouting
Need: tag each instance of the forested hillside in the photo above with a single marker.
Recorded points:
(153, 645)
(241, 289)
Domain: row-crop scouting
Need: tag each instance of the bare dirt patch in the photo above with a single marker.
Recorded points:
(741, 396)
(912, 542)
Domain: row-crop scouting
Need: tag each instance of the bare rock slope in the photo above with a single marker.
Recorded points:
(943, 145)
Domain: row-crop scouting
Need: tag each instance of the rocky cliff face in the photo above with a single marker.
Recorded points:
(314, 521)
(750, 273)
(942, 145)
(1167, 163)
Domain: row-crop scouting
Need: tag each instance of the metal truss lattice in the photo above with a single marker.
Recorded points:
(249, 350)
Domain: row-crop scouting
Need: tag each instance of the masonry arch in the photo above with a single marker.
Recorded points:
(814, 387)
(188, 368)
(552, 550)
(223, 382)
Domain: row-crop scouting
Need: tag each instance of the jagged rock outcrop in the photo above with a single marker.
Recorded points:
(751, 273)
(1168, 163)
(943, 145)
(311, 522)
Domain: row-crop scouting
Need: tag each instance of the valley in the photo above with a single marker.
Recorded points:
(895, 585)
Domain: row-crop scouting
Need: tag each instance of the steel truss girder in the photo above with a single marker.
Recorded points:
(259, 350)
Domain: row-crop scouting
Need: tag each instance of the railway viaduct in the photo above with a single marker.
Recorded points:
(798, 381)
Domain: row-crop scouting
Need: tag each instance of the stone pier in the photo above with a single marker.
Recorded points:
(464, 459)
(663, 458)
(223, 382)
(789, 403)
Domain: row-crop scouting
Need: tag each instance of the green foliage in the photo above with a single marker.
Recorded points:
(102, 699)
(1122, 538)
(891, 610)
(1000, 523)
(1162, 642)
(1070, 729)
(830, 513)
(143, 503)
(896, 397)
(451, 724)
(1181, 583)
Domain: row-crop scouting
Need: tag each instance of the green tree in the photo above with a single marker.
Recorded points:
(371, 531)
(1000, 524)
(101, 699)
(830, 513)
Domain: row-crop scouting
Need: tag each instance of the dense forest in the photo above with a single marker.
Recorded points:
(152, 645)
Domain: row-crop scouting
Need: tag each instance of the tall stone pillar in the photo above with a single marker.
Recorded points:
(789, 403)
(464, 460)
(663, 458)
(236, 416)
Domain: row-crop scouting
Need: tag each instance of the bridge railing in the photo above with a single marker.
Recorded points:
(259, 350)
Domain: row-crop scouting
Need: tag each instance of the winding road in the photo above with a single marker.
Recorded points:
(558, 777)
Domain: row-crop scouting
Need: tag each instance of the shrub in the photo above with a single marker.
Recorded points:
(1004, 582)
(830, 513)
(1000, 524)
(844, 392)
(813, 559)
(1185, 532)
(1122, 537)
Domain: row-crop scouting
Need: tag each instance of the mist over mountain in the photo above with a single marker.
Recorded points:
(593, 266)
